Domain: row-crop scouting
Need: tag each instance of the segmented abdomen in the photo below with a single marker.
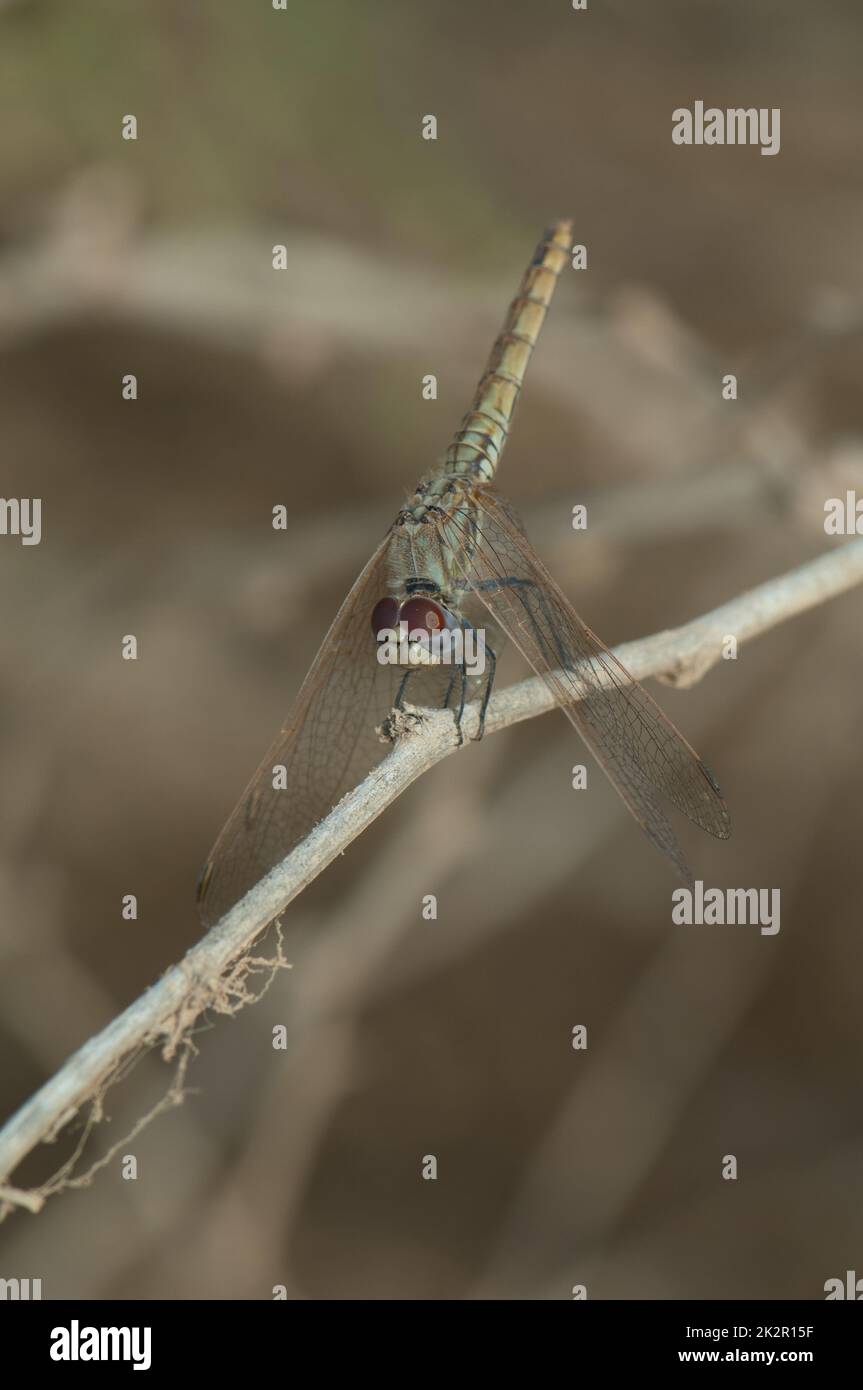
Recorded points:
(478, 443)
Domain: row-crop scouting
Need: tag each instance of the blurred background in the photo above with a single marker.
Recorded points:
(408, 1037)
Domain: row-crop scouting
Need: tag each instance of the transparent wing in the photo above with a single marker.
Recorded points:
(326, 747)
(639, 748)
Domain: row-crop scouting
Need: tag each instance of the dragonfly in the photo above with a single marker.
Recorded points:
(456, 561)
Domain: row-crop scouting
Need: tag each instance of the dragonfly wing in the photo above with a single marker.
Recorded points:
(326, 747)
(642, 752)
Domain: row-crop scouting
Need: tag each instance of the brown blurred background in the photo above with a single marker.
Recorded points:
(408, 1037)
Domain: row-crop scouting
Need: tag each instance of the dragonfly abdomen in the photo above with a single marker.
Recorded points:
(478, 444)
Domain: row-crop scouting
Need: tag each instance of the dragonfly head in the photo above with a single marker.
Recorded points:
(414, 623)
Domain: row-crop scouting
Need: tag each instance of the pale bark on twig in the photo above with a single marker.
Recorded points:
(680, 656)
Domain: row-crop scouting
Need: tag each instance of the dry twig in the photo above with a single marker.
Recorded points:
(681, 656)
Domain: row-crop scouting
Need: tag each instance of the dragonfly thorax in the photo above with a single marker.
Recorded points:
(434, 498)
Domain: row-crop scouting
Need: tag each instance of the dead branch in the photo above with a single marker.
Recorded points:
(169, 1007)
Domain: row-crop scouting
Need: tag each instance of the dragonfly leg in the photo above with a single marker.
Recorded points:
(457, 671)
(449, 689)
(400, 697)
(462, 670)
(486, 694)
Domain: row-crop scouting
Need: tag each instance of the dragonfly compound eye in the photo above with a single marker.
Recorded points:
(422, 615)
(385, 616)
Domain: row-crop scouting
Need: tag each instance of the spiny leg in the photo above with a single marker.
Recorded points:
(486, 695)
(462, 670)
(400, 697)
(458, 670)
(449, 689)
(487, 692)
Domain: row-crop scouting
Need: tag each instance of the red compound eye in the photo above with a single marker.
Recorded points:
(385, 615)
(423, 615)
